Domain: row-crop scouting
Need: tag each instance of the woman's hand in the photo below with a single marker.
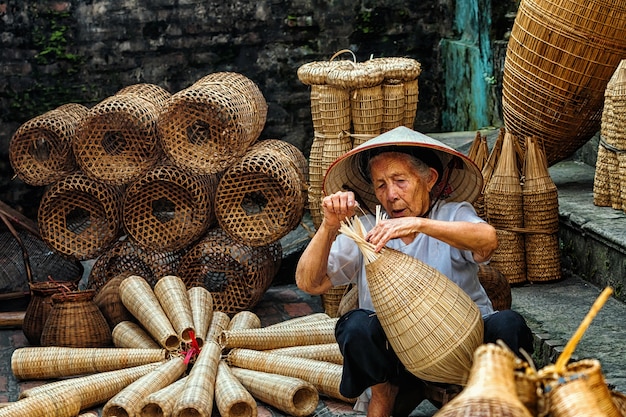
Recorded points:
(337, 207)
(385, 230)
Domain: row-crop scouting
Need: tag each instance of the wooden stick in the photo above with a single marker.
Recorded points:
(11, 319)
(20, 219)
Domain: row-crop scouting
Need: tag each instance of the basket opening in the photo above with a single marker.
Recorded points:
(302, 398)
(78, 220)
(164, 210)
(39, 149)
(114, 143)
(199, 132)
(240, 409)
(254, 202)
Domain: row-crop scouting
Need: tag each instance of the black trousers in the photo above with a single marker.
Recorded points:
(368, 358)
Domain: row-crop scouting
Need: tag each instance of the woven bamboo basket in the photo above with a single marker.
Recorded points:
(606, 158)
(366, 111)
(236, 275)
(431, 323)
(411, 100)
(571, 397)
(496, 286)
(219, 323)
(139, 299)
(95, 389)
(261, 198)
(316, 72)
(619, 122)
(109, 302)
(510, 257)
(199, 391)
(127, 334)
(57, 362)
(292, 396)
(79, 217)
(128, 401)
(332, 298)
(246, 87)
(39, 307)
(334, 110)
(126, 257)
(40, 151)
(327, 352)
(75, 321)
(231, 398)
(244, 320)
(349, 301)
(527, 387)
(161, 403)
(619, 399)
(541, 217)
(490, 389)
(324, 376)
(153, 93)
(206, 128)
(168, 208)
(335, 145)
(560, 55)
(591, 371)
(201, 303)
(172, 295)
(317, 332)
(309, 318)
(117, 141)
(393, 105)
(315, 193)
(354, 75)
(398, 68)
(63, 403)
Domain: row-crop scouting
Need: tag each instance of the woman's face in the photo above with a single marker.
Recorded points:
(399, 186)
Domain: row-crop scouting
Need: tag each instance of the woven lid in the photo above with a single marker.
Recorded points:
(348, 172)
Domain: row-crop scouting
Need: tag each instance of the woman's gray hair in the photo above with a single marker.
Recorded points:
(422, 169)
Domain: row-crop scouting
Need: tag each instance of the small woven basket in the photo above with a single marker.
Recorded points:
(117, 140)
(366, 110)
(332, 298)
(591, 370)
(40, 151)
(75, 321)
(571, 397)
(398, 68)
(109, 302)
(393, 105)
(231, 397)
(236, 275)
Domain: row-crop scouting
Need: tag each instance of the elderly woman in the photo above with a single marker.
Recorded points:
(426, 189)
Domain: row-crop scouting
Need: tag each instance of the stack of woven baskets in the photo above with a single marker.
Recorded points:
(178, 355)
(144, 178)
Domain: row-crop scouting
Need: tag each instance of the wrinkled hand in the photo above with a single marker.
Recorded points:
(389, 229)
(337, 207)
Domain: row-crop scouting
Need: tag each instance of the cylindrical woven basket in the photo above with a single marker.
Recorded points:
(127, 334)
(201, 302)
(261, 197)
(155, 94)
(393, 105)
(332, 298)
(117, 140)
(366, 109)
(292, 396)
(334, 110)
(57, 362)
(236, 275)
(411, 99)
(316, 178)
(172, 295)
(161, 403)
(59, 403)
(108, 300)
(231, 398)
(510, 257)
(496, 286)
(206, 128)
(571, 397)
(79, 217)
(40, 151)
(75, 321)
(398, 68)
(591, 370)
(560, 55)
(168, 208)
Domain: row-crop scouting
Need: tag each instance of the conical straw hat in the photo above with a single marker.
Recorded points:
(127, 334)
(231, 398)
(161, 403)
(293, 396)
(172, 295)
(431, 323)
(201, 303)
(347, 172)
(128, 402)
(139, 299)
(57, 362)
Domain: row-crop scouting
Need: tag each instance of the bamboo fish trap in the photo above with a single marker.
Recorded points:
(431, 323)
(231, 397)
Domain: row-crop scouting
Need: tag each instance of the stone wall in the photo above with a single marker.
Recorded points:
(55, 52)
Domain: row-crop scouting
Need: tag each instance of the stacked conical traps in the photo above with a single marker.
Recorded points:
(181, 355)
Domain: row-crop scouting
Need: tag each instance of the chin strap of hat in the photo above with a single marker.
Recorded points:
(442, 188)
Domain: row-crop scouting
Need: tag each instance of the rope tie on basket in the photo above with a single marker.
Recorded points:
(194, 351)
(609, 147)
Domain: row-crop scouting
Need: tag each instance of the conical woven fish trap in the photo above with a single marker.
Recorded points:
(172, 295)
(327, 352)
(57, 362)
(206, 128)
(40, 151)
(139, 299)
(290, 395)
(366, 111)
(153, 93)
(63, 403)
(198, 393)
(168, 208)
(75, 321)
(431, 323)
(398, 68)
(162, 402)
(201, 303)
(219, 323)
(318, 332)
(607, 158)
(334, 110)
(79, 217)
(559, 58)
(129, 258)
(510, 257)
(128, 401)
(117, 140)
(236, 275)
(260, 198)
(127, 334)
(543, 257)
(109, 302)
(411, 99)
(393, 105)
(496, 286)
(354, 75)
(96, 388)
(591, 370)
(309, 318)
(247, 87)
(244, 320)
(324, 376)
(231, 398)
